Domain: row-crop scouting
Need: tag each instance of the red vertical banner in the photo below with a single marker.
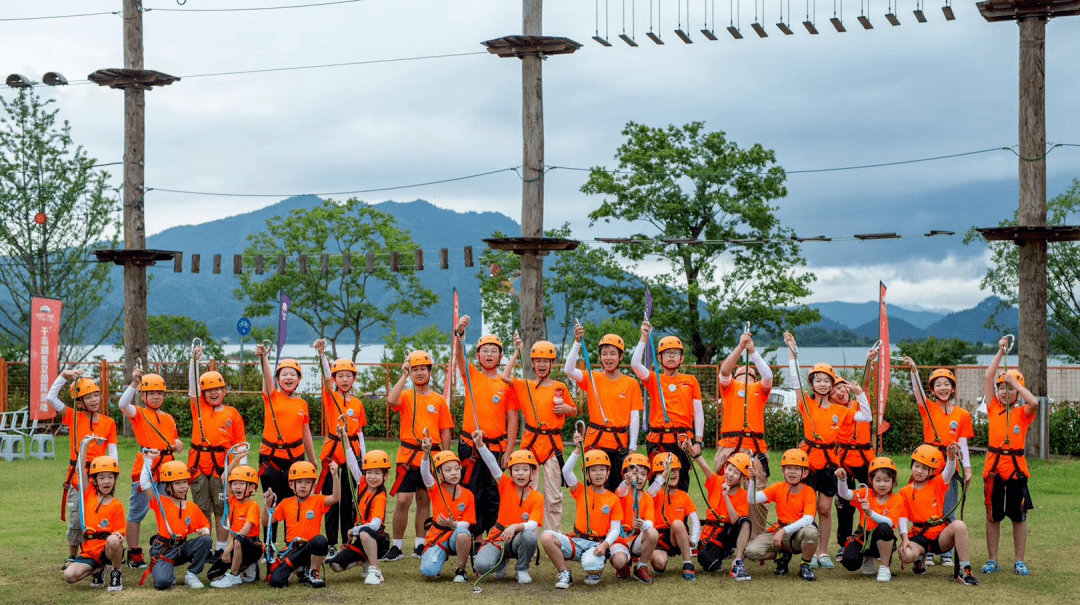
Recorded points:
(44, 353)
(448, 390)
(884, 364)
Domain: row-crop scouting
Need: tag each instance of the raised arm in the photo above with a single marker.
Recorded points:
(636, 360)
(263, 354)
(990, 377)
(508, 370)
(459, 347)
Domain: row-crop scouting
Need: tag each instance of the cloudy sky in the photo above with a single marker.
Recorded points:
(826, 101)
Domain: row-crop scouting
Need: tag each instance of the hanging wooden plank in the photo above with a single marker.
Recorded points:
(281, 264)
(324, 264)
(259, 264)
(178, 262)
(468, 256)
(346, 263)
(444, 258)
(217, 264)
(195, 263)
(394, 266)
(237, 264)
(370, 262)
(418, 260)
(303, 264)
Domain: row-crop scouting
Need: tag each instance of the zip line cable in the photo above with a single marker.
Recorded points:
(188, 10)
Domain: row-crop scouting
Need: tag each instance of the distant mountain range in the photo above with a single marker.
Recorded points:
(861, 319)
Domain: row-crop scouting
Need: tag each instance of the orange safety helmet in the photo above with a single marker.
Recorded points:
(941, 373)
(881, 462)
(302, 470)
(152, 383)
(489, 339)
(669, 342)
(376, 459)
(244, 473)
(597, 458)
(211, 380)
(824, 368)
(742, 462)
(543, 349)
(1015, 374)
(927, 455)
(289, 363)
(795, 457)
(342, 365)
(635, 459)
(174, 470)
(420, 358)
(444, 456)
(83, 387)
(523, 457)
(661, 460)
(614, 340)
(104, 464)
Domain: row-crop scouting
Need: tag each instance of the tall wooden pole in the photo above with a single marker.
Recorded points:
(532, 193)
(135, 322)
(1032, 339)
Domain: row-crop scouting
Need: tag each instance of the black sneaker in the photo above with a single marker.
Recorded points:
(782, 561)
(302, 576)
(68, 562)
(418, 552)
(394, 554)
(315, 579)
(136, 559)
(116, 581)
(98, 579)
(806, 573)
(966, 578)
(919, 568)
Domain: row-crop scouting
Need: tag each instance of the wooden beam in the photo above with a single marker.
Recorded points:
(178, 262)
(444, 258)
(346, 263)
(394, 265)
(237, 264)
(468, 256)
(303, 264)
(217, 263)
(324, 264)
(259, 264)
(370, 262)
(196, 262)
(418, 260)
(281, 264)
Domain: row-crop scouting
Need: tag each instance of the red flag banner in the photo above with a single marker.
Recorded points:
(884, 363)
(448, 390)
(44, 353)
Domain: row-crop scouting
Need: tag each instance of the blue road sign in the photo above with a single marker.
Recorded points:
(243, 326)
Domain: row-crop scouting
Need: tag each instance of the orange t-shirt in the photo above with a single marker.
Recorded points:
(620, 397)
(791, 507)
(515, 509)
(1016, 431)
(302, 519)
(602, 509)
(893, 508)
(827, 421)
(427, 412)
(539, 413)
(104, 427)
(101, 518)
(854, 435)
(675, 505)
(241, 513)
(144, 423)
(496, 400)
(355, 421)
(284, 417)
(925, 502)
(224, 429)
(370, 505)
(714, 486)
(443, 503)
(950, 427)
(645, 512)
(756, 396)
(183, 520)
(680, 391)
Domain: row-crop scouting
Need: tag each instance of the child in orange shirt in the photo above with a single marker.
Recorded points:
(674, 511)
(453, 511)
(597, 510)
(369, 540)
(924, 498)
(243, 517)
(303, 514)
(423, 412)
(727, 521)
(794, 530)
(881, 512)
(638, 538)
(103, 540)
(176, 520)
(286, 436)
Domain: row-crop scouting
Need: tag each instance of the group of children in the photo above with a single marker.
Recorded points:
(483, 503)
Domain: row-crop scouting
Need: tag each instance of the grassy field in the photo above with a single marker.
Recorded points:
(32, 547)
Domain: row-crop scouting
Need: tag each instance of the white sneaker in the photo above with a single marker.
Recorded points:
(884, 574)
(565, 580)
(593, 578)
(226, 581)
(867, 566)
(250, 574)
(946, 559)
(193, 581)
(374, 577)
(524, 577)
(929, 561)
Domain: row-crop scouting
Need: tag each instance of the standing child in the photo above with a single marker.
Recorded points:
(339, 407)
(83, 419)
(1005, 473)
(794, 530)
(103, 540)
(153, 429)
(880, 513)
(637, 542)
(422, 412)
(176, 520)
(369, 540)
(744, 396)
(545, 404)
(614, 419)
(302, 513)
(727, 522)
(675, 399)
(597, 510)
(453, 511)
(521, 510)
(677, 521)
(924, 498)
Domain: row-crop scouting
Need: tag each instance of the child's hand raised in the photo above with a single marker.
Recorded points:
(841, 474)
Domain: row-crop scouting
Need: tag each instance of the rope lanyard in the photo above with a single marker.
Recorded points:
(83, 480)
(1011, 340)
(239, 450)
(802, 395)
(267, 346)
(659, 385)
(592, 382)
(579, 426)
(197, 343)
(746, 388)
(468, 385)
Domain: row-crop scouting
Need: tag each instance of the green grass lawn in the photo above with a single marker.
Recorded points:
(32, 547)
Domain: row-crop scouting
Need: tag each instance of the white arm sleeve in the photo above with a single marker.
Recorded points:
(490, 461)
(863, 415)
(112, 452)
(635, 428)
(635, 362)
(375, 524)
(613, 532)
(646, 525)
(326, 366)
(794, 371)
(965, 455)
(568, 469)
(570, 367)
(350, 461)
(425, 472)
(144, 477)
(763, 369)
(363, 444)
(530, 525)
(193, 390)
(880, 519)
(758, 497)
(125, 402)
(657, 485)
(843, 490)
(54, 395)
(463, 525)
(699, 420)
(695, 528)
(903, 526)
(950, 470)
(805, 521)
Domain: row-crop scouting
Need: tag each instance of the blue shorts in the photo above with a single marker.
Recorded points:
(93, 564)
(138, 504)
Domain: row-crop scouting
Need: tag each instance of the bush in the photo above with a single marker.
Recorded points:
(1065, 430)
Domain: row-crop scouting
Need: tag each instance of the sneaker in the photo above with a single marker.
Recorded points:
(806, 573)
(840, 553)
(331, 551)
(783, 560)
(867, 568)
(641, 574)
(929, 560)
(813, 562)
(946, 559)
(315, 579)
(919, 568)
(523, 577)
(394, 554)
(688, 572)
(500, 573)
(991, 567)
(251, 574)
(116, 581)
(1021, 569)
(68, 562)
(418, 552)
(459, 575)
(623, 573)
(566, 579)
(738, 571)
(825, 562)
(302, 575)
(135, 559)
(592, 578)
(884, 574)
(226, 581)
(193, 581)
(967, 578)
(374, 577)
(98, 579)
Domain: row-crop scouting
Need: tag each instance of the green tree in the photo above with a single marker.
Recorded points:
(431, 339)
(56, 207)
(686, 185)
(337, 305)
(170, 339)
(1063, 275)
(500, 294)
(936, 352)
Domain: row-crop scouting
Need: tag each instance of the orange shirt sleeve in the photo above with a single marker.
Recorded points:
(446, 421)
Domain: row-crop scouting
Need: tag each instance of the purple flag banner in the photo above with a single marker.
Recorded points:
(648, 315)
(283, 324)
